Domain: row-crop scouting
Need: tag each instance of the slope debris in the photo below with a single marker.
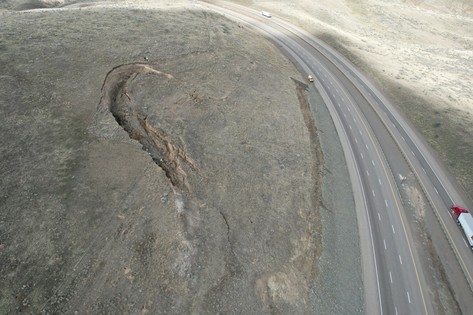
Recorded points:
(130, 115)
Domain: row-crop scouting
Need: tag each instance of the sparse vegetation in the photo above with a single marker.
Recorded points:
(222, 211)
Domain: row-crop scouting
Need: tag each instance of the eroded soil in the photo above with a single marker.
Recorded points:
(131, 116)
(160, 172)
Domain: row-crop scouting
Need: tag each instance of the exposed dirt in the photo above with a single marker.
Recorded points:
(150, 166)
(296, 278)
(235, 217)
(132, 118)
(31, 4)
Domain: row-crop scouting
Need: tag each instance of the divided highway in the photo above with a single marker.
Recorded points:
(379, 146)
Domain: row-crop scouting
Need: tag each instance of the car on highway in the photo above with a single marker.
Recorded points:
(266, 14)
(310, 78)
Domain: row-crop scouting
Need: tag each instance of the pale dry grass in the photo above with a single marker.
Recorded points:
(419, 53)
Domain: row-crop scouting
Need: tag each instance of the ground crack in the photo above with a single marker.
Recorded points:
(228, 228)
(314, 228)
(232, 262)
(168, 155)
(228, 233)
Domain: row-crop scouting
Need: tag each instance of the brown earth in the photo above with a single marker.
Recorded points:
(236, 217)
(150, 166)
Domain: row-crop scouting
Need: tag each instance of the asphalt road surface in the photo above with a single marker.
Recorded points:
(379, 146)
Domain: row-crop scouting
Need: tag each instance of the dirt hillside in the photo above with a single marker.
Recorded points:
(159, 160)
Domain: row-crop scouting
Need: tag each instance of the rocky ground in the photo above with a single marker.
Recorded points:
(162, 159)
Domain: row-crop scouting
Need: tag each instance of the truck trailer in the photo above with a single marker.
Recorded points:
(465, 221)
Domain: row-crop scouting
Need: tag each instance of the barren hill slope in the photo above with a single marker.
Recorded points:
(161, 160)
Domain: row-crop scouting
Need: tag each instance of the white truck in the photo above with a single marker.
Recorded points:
(465, 220)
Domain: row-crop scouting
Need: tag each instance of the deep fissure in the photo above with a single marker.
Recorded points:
(168, 155)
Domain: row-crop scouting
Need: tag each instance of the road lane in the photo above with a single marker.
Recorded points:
(390, 300)
(346, 98)
(437, 184)
(413, 155)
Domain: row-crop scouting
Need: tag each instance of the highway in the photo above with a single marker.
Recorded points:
(379, 146)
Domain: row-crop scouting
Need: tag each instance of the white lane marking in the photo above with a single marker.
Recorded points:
(366, 146)
(338, 104)
(424, 171)
(361, 155)
(390, 277)
(379, 180)
(408, 297)
(356, 140)
(373, 193)
(392, 226)
(372, 162)
(386, 203)
(354, 119)
(349, 126)
(367, 172)
(400, 259)
(384, 241)
(379, 217)
(344, 115)
(374, 259)
(349, 109)
(436, 190)
(395, 308)
(343, 100)
(413, 153)
(465, 242)
(361, 132)
(403, 138)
